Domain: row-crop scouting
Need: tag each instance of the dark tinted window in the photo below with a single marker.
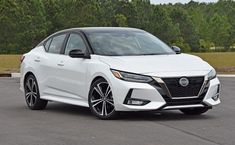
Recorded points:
(47, 44)
(75, 41)
(56, 44)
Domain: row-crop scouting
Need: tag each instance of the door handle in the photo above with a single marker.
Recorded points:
(60, 64)
(37, 59)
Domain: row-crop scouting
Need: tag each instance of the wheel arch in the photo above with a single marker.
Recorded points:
(96, 78)
(26, 75)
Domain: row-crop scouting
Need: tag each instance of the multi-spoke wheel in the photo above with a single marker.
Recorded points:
(101, 100)
(32, 96)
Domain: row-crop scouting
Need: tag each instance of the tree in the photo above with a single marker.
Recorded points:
(220, 30)
(120, 20)
(163, 26)
(187, 28)
(194, 26)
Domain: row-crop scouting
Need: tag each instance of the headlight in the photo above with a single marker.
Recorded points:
(212, 74)
(131, 77)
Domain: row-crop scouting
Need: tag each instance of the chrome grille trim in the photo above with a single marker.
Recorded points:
(183, 106)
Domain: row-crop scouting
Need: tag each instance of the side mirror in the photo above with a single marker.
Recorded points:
(176, 49)
(77, 53)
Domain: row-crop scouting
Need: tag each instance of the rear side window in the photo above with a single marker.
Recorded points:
(47, 44)
(56, 44)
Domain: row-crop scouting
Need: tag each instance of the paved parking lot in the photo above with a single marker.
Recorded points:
(62, 124)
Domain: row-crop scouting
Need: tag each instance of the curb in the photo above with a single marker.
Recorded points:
(5, 75)
(226, 76)
(12, 75)
(17, 75)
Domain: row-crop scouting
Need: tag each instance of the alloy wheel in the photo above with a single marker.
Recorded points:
(32, 96)
(102, 99)
(31, 91)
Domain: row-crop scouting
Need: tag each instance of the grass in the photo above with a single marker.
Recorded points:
(9, 63)
(224, 62)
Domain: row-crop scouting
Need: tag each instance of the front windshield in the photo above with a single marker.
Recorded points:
(124, 43)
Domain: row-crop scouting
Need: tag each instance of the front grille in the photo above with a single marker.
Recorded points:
(191, 101)
(176, 90)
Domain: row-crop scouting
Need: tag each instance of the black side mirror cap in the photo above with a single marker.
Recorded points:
(77, 53)
(176, 49)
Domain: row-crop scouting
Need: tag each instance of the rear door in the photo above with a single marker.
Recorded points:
(50, 81)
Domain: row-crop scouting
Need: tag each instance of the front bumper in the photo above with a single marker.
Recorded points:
(157, 99)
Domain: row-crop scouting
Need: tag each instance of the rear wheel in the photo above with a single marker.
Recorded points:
(194, 111)
(32, 95)
(101, 100)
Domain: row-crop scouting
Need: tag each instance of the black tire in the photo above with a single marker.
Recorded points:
(32, 95)
(194, 111)
(97, 107)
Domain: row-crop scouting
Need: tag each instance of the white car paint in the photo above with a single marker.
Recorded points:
(70, 83)
(68, 80)
(160, 63)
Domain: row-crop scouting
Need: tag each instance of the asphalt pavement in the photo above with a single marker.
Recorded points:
(62, 124)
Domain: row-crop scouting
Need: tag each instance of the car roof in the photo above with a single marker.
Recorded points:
(100, 29)
(93, 29)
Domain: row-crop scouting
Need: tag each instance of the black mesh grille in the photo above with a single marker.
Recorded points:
(176, 90)
(191, 101)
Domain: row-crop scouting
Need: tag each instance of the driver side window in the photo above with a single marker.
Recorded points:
(75, 41)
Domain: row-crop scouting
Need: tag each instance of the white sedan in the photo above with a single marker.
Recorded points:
(111, 70)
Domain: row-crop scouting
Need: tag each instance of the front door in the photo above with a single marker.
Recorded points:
(72, 71)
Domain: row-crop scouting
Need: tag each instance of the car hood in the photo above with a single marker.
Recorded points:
(158, 64)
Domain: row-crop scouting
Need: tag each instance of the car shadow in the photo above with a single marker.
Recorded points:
(127, 116)
(163, 116)
(68, 109)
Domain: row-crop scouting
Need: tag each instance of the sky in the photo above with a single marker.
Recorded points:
(177, 1)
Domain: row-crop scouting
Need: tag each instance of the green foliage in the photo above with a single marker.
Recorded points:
(221, 28)
(196, 27)
(187, 28)
(205, 46)
(182, 44)
(120, 20)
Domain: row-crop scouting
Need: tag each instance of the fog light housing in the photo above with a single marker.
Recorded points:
(138, 102)
(216, 96)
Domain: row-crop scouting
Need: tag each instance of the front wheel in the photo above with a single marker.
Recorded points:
(101, 100)
(194, 111)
